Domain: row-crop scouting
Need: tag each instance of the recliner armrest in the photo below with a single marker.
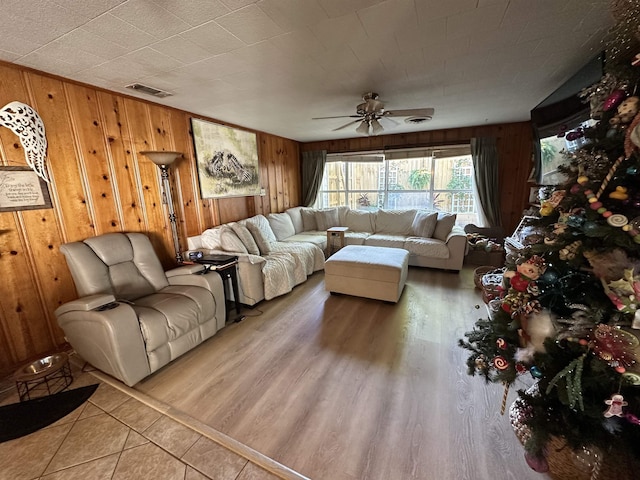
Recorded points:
(90, 302)
(184, 270)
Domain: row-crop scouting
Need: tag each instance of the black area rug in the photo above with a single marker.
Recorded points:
(19, 419)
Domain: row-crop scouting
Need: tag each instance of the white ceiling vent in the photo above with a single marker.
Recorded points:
(417, 119)
(138, 87)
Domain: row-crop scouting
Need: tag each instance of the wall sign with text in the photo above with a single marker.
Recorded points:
(22, 189)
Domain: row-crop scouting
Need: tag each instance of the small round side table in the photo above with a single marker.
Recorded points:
(45, 376)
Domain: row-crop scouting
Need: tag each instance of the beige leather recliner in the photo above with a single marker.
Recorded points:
(133, 318)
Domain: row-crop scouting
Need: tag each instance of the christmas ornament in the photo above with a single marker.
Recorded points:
(617, 220)
(616, 402)
(502, 345)
(537, 463)
(500, 363)
(613, 100)
(620, 193)
(535, 372)
(614, 346)
(550, 276)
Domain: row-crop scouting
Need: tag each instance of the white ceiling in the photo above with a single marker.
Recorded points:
(272, 65)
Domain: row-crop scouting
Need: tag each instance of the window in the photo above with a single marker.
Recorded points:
(430, 179)
(553, 149)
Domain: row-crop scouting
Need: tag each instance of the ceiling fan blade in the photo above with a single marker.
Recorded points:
(339, 116)
(422, 112)
(347, 124)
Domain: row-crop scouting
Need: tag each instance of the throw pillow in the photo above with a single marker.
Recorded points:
(326, 218)
(445, 223)
(424, 224)
(282, 225)
(308, 220)
(395, 222)
(296, 218)
(211, 238)
(245, 237)
(229, 241)
(359, 221)
(264, 244)
(262, 224)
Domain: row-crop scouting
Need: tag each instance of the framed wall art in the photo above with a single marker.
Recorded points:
(22, 189)
(227, 160)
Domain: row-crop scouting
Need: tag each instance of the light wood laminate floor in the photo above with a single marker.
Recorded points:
(345, 388)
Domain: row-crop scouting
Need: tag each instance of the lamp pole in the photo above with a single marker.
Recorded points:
(163, 159)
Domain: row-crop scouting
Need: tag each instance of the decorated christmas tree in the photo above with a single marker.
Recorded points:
(566, 319)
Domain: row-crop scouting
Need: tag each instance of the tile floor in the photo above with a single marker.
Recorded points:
(116, 436)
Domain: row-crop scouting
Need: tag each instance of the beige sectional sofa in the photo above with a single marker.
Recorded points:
(277, 252)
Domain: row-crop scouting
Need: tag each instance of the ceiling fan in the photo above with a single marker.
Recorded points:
(372, 110)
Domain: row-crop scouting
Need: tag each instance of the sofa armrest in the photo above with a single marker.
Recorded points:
(84, 304)
(457, 243)
(108, 338)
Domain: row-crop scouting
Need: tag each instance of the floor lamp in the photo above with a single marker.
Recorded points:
(163, 159)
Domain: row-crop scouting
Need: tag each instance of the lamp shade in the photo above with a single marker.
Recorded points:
(363, 128)
(376, 127)
(162, 157)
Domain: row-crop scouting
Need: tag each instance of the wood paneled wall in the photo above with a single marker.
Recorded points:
(101, 183)
(514, 144)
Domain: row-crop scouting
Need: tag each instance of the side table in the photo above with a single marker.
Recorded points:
(335, 239)
(225, 265)
(49, 375)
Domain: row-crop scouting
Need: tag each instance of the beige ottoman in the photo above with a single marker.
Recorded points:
(370, 272)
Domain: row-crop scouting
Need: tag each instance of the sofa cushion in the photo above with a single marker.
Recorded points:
(281, 225)
(229, 241)
(355, 238)
(296, 218)
(245, 237)
(445, 223)
(359, 221)
(396, 222)
(263, 241)
(426, 247)
(319, 239)
(308, 220)
(211, 238)
(424, 224)
(385, 240)
(326, 218)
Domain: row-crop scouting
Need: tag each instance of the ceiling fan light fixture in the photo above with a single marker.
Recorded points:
(376, 128)
(363, 128)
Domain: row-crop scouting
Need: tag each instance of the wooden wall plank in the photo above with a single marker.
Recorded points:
(191, 216)
(67, 182)
(123, 167)
(90, 138)
(143, 140)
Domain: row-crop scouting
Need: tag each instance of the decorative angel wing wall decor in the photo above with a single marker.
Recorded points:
(25, 122)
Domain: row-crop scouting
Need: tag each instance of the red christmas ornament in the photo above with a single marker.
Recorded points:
(614, 346)
(613, 100)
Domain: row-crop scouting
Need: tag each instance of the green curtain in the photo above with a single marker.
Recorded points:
(312, 171)
(485, 167)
